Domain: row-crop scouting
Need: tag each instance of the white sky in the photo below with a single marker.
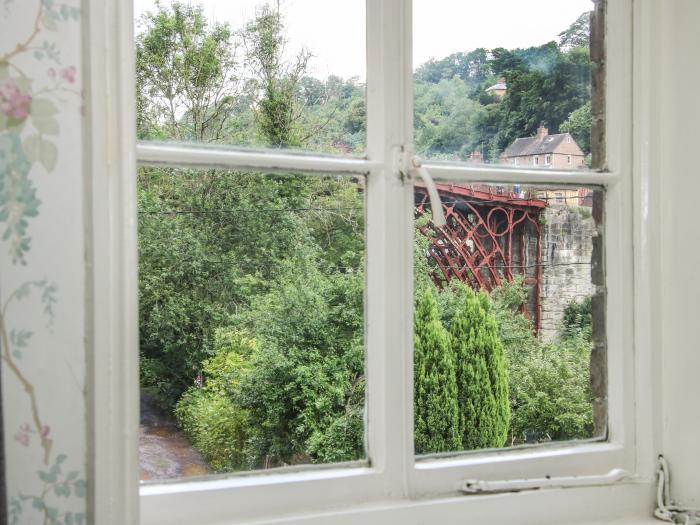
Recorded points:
(333, 30)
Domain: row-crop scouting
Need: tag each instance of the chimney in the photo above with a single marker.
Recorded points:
(542, 132)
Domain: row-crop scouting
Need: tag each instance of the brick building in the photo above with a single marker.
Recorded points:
(558, 151)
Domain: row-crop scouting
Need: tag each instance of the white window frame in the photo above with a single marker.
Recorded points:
(415, 490)
(548, 159)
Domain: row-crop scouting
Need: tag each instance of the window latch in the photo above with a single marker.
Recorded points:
(412, 166)
(475, 486)
(666, 509)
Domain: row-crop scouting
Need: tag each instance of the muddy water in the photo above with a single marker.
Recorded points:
(164, 452)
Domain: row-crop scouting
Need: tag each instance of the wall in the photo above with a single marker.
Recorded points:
(566, 258)
(42, 267)
(673, 134)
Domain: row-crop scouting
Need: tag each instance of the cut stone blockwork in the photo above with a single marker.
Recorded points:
(567, 248)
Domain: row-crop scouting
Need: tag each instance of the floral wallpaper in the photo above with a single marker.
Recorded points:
(42, 269)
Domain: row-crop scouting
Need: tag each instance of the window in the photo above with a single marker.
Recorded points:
(535, 160)
(568, 159)
(388, 185)
(548, 159)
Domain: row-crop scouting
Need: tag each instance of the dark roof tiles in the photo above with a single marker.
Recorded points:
(535, 145)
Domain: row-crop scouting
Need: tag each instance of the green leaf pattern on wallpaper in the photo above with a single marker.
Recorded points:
(31, 100)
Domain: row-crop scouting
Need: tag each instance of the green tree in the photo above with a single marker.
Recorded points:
(578, 123)
(577, 34)
(435, 389)
(276, 83)
(482, 376)
(305, 392)
(186, 74)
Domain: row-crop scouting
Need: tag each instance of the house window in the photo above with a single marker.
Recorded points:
(559, 197)
(390, 223)
(568, 159)
(535, 160)
(548, 159)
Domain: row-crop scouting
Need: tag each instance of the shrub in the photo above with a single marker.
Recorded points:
(482, 376)
(550, 391)
(436, 410)
(209, 415)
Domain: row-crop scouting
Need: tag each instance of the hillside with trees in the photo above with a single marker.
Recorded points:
(251, 284)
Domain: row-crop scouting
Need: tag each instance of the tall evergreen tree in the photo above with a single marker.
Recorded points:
(435, 389)
(482, 377)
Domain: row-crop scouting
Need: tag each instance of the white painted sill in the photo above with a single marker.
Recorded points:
(623, 504)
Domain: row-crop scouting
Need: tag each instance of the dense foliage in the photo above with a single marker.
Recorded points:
(482, 377)
(438, 422)
(455, 115)
(251, 284)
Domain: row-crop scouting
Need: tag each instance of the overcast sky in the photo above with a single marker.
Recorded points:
(333, 30)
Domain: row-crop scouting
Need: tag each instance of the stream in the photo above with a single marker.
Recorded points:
(164, 451)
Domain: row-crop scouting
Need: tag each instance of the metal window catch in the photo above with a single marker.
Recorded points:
(666, 509)
(517, 485)
(412, 165)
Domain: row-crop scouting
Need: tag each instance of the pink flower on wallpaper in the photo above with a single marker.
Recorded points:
(13, 102)
(45, 430)
(22, 437)
(68, 74)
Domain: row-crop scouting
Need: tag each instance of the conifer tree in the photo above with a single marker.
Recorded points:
(435, 389)
(482, 377)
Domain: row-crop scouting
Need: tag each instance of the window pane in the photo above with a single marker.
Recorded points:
(251, 321)
(252, 73)
(504, 83)
(508, 350)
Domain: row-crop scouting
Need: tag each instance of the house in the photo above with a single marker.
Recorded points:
(558, 151)
(499, 88)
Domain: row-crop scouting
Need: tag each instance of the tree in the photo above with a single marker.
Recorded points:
(186, 75)
(435, 389)
(275, 82)
(579, 125)
(577, 34)
(482, 377)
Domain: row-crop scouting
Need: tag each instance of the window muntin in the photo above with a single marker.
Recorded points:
(254, 73)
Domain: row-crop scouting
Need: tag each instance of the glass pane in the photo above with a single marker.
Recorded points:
(251, 321)
(505, 83)
(252, 73)
(508, 349)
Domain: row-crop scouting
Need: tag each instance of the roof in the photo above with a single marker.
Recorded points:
(495, 87)
(537, 145)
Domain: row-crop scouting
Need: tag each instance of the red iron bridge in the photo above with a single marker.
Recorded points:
(492, 235)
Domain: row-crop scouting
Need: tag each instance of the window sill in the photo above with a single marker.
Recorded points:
(622, 504)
